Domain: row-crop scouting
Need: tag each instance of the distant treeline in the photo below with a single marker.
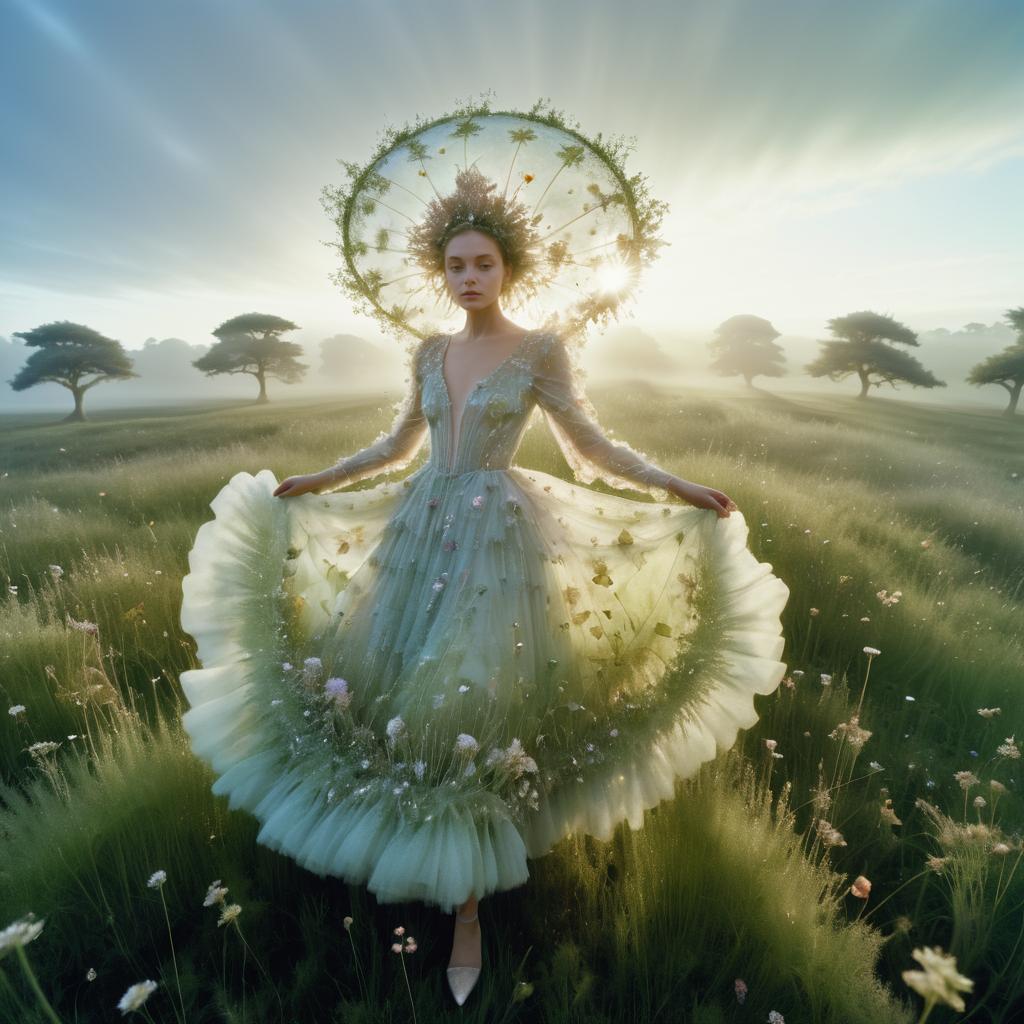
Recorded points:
(868, 346)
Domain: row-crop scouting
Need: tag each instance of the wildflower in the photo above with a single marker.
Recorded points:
(338, 690)
(395, 728)
(136, 996)
(966, 779)
(861, 888)
(888, 814)
(875, 766)
(939, 981)
(514, 759)
(478, 501)
(829, 836)
(214, 894)
(84, 626)
(347, 922)
(396, 947)
(20, 933)
(740, 987)
(1008, 749)
(926, 543)
(814, 611)
(42, 748)
(312, 669)
(989, 712)
(56, 571)
(157, 879)
(90, 975)
(419, 768)
(855, 735)
(466, 744)
(774, 1017)
(1000, 849)
(400, 930)
(287, 666)
(410, 944)
(229, 913)
(937, 863)
(613, 733)
(979, 802)
(771, 744)
(872, 650)
(16, 709)
(826, 679)
(996, 787)
(463, 688)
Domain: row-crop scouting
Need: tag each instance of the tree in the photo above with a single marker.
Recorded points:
(863, 350)
(1005, 368)
(251, 344)
(74, 356)
(745, 345)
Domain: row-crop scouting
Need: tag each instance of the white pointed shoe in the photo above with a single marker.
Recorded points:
(462, 979)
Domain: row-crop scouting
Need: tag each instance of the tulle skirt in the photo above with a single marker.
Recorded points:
(418, 686)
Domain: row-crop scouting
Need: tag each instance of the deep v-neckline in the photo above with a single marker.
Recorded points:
(456, 440)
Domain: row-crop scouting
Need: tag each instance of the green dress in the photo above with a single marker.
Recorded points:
(421, 684)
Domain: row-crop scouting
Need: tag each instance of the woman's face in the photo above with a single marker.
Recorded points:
(473, 264)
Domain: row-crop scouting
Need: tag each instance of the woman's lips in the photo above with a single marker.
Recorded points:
(469, 295)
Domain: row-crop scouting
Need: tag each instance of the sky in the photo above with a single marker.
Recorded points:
(162, 163)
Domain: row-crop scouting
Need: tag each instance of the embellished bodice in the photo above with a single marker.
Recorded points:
(539, 372)
(495, 414)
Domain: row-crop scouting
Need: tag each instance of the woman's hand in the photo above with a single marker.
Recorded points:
(703, 497)
(296, 485)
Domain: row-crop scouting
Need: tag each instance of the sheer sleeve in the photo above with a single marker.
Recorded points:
(573, 422)
(396, 447)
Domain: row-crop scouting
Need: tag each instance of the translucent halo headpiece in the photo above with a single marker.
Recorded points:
(575, 231)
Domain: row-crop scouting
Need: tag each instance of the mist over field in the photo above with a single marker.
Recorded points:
(349, 366)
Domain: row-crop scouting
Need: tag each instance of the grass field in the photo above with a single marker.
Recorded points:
(738, 878)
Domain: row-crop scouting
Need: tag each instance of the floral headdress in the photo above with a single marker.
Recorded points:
(575, 231)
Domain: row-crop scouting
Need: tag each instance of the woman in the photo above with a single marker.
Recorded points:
(476, 273)
(461, 669)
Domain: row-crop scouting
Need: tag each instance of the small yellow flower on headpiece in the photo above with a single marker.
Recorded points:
(527, 178)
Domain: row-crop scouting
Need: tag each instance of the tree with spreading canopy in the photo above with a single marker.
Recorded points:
(74, 356)
(251, 343)
(745, 345)
(864, 349)
(1005, 368)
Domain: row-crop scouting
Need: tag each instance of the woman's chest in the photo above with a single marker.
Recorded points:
(496, 399)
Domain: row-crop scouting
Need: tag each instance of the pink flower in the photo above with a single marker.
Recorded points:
(861, 888)
(741, 990)
(432, 503)
(478, 501)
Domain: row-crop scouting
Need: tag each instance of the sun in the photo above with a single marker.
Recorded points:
(613, 276)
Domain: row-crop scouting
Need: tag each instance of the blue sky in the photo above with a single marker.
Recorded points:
(162, 163)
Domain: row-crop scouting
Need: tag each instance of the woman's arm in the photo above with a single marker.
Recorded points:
(394, 448)
(589, 452)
